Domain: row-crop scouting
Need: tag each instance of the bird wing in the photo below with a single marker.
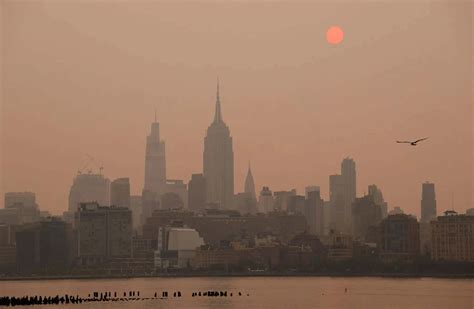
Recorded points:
(421, 139)
(403, 142)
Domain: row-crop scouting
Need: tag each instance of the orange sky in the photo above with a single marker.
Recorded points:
(84, 77)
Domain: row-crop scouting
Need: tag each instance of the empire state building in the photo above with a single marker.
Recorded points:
(219, 161)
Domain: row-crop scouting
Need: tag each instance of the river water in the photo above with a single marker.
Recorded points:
(263, 292)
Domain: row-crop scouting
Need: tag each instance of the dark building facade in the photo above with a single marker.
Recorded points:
(453, 238)
(428, 202)
(217, 226)
(103, 233)
(399, 238)
(296, 204)
(314, 212)
(45, 245)
(365, 213)
(197, 193)
(120, 192)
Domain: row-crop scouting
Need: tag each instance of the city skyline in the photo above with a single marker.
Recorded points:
(347, 166)
(281, 104)
(234, 153)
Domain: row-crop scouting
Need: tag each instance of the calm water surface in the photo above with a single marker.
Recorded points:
(268, 292)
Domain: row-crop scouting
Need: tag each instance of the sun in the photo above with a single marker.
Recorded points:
(334, 35)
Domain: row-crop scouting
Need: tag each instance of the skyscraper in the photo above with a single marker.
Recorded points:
(136, 208)
(120, 192)
(89, 188)
(314, 212)
(296, 204)
(155, 162)
(20, 207)
(428, 202)
(342, 192)
(178, 187)
(348, 173)
(250, 184)
(365, 214)
(281, 199)
(265, 201)
(336, 202)
(309, 189)
(377, 196)
(20, 199)
(155, 172)
(218, 160)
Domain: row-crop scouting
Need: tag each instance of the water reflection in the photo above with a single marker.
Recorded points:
(264, 292)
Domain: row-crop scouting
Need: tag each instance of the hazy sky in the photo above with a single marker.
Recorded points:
(84, 77)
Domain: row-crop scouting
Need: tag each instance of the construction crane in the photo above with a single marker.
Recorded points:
(89, 165)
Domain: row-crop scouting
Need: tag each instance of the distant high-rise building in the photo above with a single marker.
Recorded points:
(155, 172)
(150, 203)
(396, 211)
(281, 199)
(120, 192)
(218, 160)
(250, 184)
(377, 196)
(365, 214)
(428, 202)
(314, 212)
(171, 200)
(197, 192)
(179, 188)
(245, 203)
(265, 201)
(348, 174)
(327, 217)
(309, 189)
(136, 208)
(155, 161)
(26, 200)
(342, 193)
(20, 207)
(336, 201)
(89, 188)
(296, 204)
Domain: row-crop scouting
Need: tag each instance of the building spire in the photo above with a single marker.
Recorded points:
(155, 114)
(218, 115)
(249, 185)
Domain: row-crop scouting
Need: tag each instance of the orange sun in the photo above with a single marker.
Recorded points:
(334, 35)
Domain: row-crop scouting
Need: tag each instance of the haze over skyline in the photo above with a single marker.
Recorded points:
(296, 106)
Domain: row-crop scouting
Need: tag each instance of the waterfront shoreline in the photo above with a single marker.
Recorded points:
(237, 275)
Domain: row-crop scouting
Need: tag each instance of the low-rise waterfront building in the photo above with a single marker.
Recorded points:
(399, 238)
(453, 238)
(103, 233)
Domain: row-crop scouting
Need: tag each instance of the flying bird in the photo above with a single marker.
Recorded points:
(414, 143)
